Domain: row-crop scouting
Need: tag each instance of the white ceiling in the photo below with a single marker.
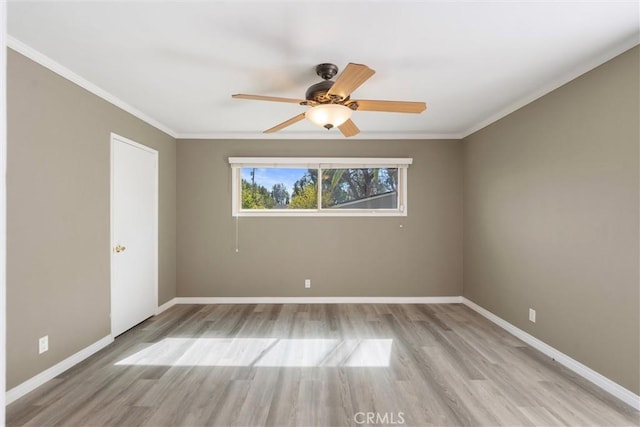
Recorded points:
(176, 64)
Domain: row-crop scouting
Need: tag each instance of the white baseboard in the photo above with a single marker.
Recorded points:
(317, 300)
(601, 381)
(49, 374)
(166, 306)
(584, 371)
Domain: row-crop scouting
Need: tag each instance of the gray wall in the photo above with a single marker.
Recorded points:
(58, 215)
(343, 256)
(551, 219)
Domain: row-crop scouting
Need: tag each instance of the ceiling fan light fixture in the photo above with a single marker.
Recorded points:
(328, 115)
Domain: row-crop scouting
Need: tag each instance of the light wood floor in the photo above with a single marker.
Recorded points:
(285, 365)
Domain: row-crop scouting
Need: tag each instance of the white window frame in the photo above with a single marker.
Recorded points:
(237, 163)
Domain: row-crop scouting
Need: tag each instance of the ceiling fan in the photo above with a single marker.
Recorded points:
(331, 103)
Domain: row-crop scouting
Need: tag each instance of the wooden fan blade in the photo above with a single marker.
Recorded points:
(349, 128)
(283, 125)
(391, 106)
(267, 98)
(351, 78)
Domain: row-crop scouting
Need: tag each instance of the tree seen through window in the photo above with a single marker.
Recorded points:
(288, 188)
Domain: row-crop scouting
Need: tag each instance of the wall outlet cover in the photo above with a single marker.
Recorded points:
(43, 344)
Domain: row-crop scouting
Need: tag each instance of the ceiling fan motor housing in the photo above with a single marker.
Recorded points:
(318, 91)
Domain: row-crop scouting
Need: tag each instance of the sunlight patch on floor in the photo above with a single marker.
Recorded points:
(264, 352)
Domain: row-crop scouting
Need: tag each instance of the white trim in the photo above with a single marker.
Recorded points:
(318, 300)
(584, 68)
(133, 143)
(237, 163)
(236, 195)
(601, 381)
(117, 138)
(63, 71)
(584, 371)
(403, 194)
(49, 374)
(320, 212)
(166, 306)
(3, 207)
(420, 136)
(319, 162)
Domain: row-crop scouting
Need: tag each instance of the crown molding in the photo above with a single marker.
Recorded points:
(319, 135)
(63, 71)
(583, 68)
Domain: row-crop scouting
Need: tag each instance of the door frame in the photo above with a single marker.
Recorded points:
(115, 138)
(3, 207)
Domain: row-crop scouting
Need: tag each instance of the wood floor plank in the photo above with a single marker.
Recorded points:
(318, 364)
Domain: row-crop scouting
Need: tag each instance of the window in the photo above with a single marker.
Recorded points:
(265, 186)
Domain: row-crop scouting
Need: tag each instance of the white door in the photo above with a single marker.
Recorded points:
(134, 233)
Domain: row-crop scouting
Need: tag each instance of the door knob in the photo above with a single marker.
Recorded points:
(120, 248)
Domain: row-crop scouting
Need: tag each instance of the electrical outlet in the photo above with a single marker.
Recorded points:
(43, 344)
(532, 315)
(307, 283)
